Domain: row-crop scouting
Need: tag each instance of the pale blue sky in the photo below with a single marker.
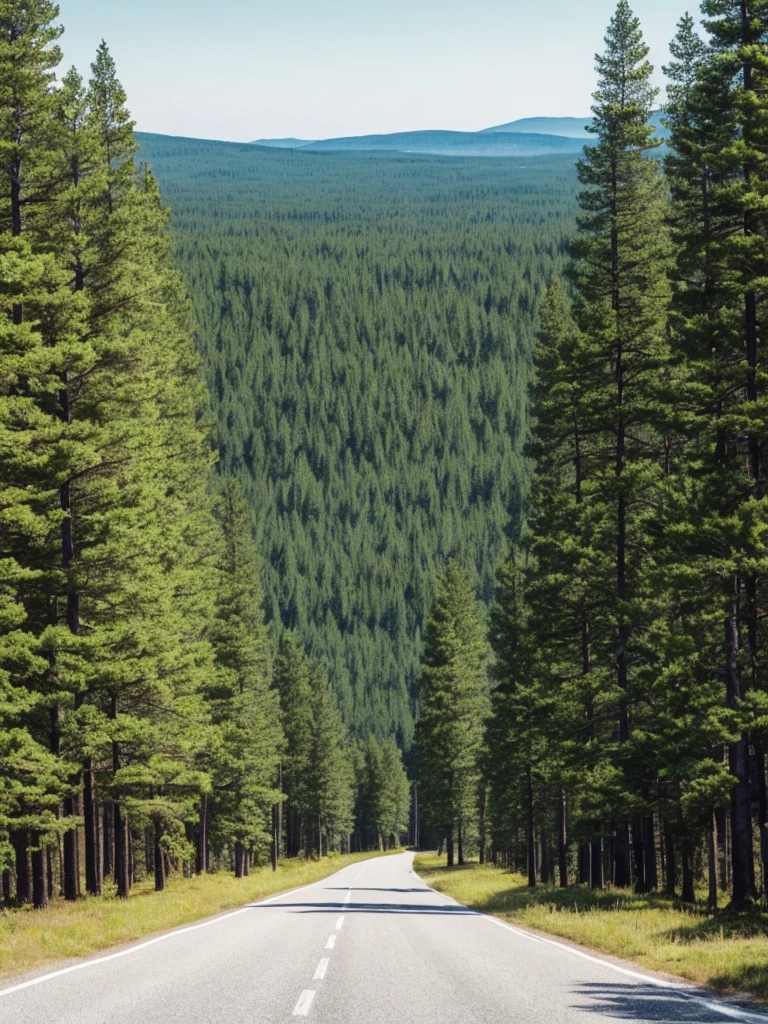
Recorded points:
(247, 69)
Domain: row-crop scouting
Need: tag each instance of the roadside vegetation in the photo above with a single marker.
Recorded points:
(725, 950)
(30, 940)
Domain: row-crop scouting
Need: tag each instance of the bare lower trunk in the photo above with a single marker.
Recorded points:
(670, 875)
(562, 842)
(530, 850)
(158, 857)
(20, 842)
(712, 865)
(39, 879)
(90, 820)
(688, 894)
(201, 858)
(596, 864)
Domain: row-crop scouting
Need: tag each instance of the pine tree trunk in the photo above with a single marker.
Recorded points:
(529, 833)
(49, 872)
(670, 874)
(596, 864)
(157, 856)
(201, 865)
(482, 823)
(712, 865)
(122, 853)
(721, 819)
(71, 880)
(622, 873)
(108, 848)
(562, 841)
(238, 859)
(762, 811)
(39, 879)
(90, 818)
(460, 844)
(449, 848)
(688, 894)
(20, 843)
(275, 846)
(638, 849)
(742, 866)
(651, 867)
(585, 854)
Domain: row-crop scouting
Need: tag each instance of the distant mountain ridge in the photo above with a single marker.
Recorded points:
(528, 136)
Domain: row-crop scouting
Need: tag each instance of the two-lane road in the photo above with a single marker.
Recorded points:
(369, 945)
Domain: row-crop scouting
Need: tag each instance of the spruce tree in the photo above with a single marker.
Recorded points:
(244, 706)
(620, 262)
(718, 179)
(453, 708)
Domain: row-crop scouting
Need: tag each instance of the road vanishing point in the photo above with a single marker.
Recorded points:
(372, 944)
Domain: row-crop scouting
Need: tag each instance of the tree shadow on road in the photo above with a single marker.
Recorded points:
(428, 909)
(647, 1003)
(363, 888)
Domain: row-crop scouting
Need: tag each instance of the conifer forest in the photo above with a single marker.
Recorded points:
(354, 499)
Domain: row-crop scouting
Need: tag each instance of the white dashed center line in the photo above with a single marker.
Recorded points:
(339, 923)
(305, 1001)
(331, 942)
(322, 967)
(348, 897)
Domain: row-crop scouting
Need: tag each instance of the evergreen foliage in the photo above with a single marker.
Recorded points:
(629, 707)
(365, 325)
(453, 707)
(136, 699)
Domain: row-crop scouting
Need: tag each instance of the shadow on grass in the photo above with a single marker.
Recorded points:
(576, 898)
(580, 899)
(751, 978)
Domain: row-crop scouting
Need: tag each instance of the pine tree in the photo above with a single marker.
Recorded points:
(620, 264)
(453, 708)
(245, 707)
(718, 178)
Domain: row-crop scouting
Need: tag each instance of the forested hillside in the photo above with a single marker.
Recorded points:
(366, 326)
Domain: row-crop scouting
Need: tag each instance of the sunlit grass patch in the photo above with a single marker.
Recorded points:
(724, 950)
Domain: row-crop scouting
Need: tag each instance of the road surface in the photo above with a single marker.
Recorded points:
(370, 945)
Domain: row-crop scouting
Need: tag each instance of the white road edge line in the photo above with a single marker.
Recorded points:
(151, 942)
(320, 970)
(727, 1011)
(301, 1009)
(331, 942)
(339, 923)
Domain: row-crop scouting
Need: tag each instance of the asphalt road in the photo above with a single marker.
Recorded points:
(369, 945)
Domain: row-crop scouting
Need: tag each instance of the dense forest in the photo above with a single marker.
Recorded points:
(462, 460)
(146, 723)
(623, 737)
(366, 327)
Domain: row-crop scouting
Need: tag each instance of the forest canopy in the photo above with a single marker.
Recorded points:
(366, 327)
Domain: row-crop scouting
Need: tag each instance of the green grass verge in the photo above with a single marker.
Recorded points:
(30, 939)
(725, 951)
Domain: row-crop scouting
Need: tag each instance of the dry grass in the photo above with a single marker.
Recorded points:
(30, 939)
(725, 951)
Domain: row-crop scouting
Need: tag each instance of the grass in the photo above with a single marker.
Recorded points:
(725, 951)
(30, 939)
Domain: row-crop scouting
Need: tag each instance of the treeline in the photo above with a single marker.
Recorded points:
(366, 326)
(626, 727)
(143, 726)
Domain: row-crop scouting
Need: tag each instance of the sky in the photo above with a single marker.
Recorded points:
(248, 69)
